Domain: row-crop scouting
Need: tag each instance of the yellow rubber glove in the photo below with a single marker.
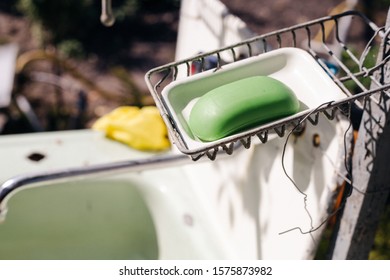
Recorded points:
(141, 129)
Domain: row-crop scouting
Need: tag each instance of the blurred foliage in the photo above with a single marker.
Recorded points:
(59, 18)
(72, 48)
(381, 246)
(369, 62)
(75, 26)
(381, 3)
(376, 5)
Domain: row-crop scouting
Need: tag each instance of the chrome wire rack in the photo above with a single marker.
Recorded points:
(353, 67)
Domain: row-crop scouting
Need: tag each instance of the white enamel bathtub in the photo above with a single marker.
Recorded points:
(131, 215)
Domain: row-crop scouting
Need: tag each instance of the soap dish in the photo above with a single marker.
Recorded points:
(294, 67)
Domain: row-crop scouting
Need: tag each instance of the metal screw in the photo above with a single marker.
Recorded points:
(316, 140)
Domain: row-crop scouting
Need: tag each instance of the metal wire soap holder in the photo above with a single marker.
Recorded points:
(323, 39)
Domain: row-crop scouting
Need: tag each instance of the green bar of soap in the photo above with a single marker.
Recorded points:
(241, 105)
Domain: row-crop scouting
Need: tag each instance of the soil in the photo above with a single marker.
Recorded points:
(122, 73)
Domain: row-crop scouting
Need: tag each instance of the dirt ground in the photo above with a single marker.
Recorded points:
(153, 44)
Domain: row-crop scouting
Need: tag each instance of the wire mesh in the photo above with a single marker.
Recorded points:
(325, 39)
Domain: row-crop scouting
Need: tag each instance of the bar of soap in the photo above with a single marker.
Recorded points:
(241, 105)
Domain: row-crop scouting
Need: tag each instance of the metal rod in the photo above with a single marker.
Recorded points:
(107, 17)
(17, 183)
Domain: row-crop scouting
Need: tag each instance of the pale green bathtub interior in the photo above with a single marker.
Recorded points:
(99, 219)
